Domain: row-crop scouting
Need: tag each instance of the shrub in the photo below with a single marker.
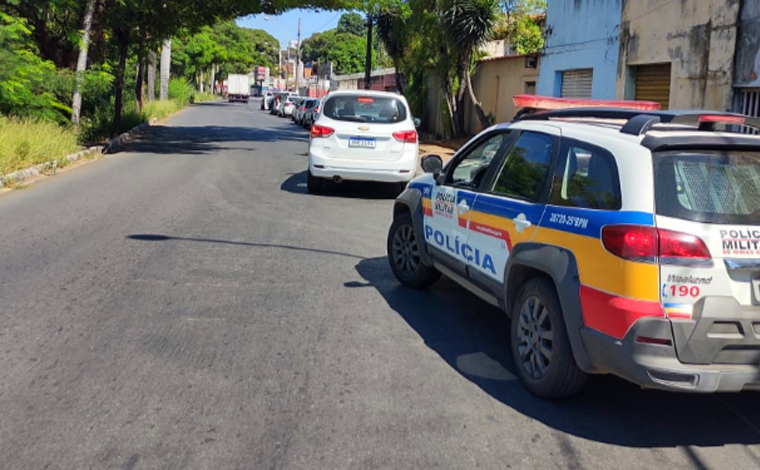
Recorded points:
(181, 90)
(27, 142)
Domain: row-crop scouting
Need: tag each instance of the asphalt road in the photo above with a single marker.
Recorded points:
(185, 304)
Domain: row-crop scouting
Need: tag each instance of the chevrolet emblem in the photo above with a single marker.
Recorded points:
(363, 128)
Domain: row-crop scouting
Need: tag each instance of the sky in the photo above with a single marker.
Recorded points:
(285, 27)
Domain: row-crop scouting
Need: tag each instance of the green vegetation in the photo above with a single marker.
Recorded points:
(22, 144)
(457, 28)
(345, 46)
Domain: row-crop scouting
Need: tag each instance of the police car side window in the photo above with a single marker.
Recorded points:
(470, 171)
(586, 177)
(525, 167)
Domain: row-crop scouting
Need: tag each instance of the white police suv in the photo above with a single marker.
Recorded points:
(618, 241)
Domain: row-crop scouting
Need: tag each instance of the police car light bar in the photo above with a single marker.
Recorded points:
(548, 102)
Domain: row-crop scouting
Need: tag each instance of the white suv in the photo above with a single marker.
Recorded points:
(362, 135)
(618, 241)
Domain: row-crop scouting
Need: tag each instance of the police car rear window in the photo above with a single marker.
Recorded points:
(721, 187)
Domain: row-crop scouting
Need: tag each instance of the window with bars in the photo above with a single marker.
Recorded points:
(749, 104)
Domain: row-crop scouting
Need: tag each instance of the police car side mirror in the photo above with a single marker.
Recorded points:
(432, 164)
(417, 122)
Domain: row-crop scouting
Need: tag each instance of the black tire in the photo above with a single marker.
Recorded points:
(314, 185)
(403, 255)
(540, 347)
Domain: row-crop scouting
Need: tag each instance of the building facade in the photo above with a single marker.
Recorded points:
(582, 47)
(747, 72)
(680, 54)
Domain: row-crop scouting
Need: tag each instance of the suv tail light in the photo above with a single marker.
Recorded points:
(409, 137)
(639, 243)
(321, 131)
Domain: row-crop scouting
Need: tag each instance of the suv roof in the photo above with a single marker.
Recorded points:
(659, 130)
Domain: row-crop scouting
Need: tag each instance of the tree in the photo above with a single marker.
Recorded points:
(351, 23)
(346, 51)
(82, 61)
(519, 24)
(470, 23)
(165, 71)
(391, 32)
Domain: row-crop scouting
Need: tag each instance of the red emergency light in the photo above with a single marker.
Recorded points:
(548, 102)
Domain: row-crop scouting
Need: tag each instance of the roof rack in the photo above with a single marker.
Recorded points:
(638, 122)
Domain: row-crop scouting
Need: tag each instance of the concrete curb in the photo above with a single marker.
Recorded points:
(118, 143)
(47, 168)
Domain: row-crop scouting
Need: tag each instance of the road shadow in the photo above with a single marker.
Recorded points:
(473, 338)
(296, 184)
(152, 237)
(199, 140)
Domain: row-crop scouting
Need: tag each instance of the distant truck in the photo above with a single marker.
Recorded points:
(238, 87)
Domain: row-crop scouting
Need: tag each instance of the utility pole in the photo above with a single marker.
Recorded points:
(279, 66)
(287, 70)
(298, 52)
(368, 60)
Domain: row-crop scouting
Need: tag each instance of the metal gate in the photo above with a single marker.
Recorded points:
(577, 83)
(653, 83)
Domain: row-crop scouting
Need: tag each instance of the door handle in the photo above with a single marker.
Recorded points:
(521, 222)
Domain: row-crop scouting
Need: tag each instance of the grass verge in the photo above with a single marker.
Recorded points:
(26, 142)
(203, 97)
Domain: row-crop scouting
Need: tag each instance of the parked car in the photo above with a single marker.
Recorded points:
(618, 241)
(266, 100)
(310, 113)
(296, 115)
(362, 135)
(288, 105)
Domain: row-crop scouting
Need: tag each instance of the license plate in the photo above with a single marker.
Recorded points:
(362, 142)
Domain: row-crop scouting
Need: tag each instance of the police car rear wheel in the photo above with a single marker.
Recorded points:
(540, 346)
(404, 255)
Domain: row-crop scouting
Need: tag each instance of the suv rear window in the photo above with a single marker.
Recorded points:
(379, 109)
(721, 187)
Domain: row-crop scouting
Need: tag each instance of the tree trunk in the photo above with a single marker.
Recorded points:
(213, 77)
(484, 121)
(82, 62)
(166, 64)
(399, 85)
(140, 78)
(123, 39)
(201, 80)
(152, 59)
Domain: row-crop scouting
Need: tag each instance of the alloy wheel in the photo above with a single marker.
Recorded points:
(534, 337)
(405, 250)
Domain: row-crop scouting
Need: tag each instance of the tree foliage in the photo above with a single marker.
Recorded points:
(347, 50)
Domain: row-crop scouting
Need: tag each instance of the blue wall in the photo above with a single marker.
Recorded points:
(584, 34)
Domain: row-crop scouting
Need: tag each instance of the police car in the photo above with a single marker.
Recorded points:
(619, 240)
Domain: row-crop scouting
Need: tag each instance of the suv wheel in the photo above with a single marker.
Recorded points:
(314, 184)
(404, 255)
(540, 346)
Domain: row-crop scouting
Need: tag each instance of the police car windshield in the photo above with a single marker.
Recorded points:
(721, 187)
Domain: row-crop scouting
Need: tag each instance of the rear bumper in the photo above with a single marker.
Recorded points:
(658, 365)
(400, 171)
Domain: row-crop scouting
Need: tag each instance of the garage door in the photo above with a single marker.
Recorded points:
(653, 83)
(577, 83)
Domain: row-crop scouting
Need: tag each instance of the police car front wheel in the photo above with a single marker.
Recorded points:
(540, 346)
(404, 255)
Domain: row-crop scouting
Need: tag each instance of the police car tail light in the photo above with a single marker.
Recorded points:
(409, 137)
(321, 131)
(639, 243)
(633, 242)
(677, 245)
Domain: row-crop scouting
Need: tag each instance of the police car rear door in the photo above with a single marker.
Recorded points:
(708, 213)
(509, 212)
(447, 221)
